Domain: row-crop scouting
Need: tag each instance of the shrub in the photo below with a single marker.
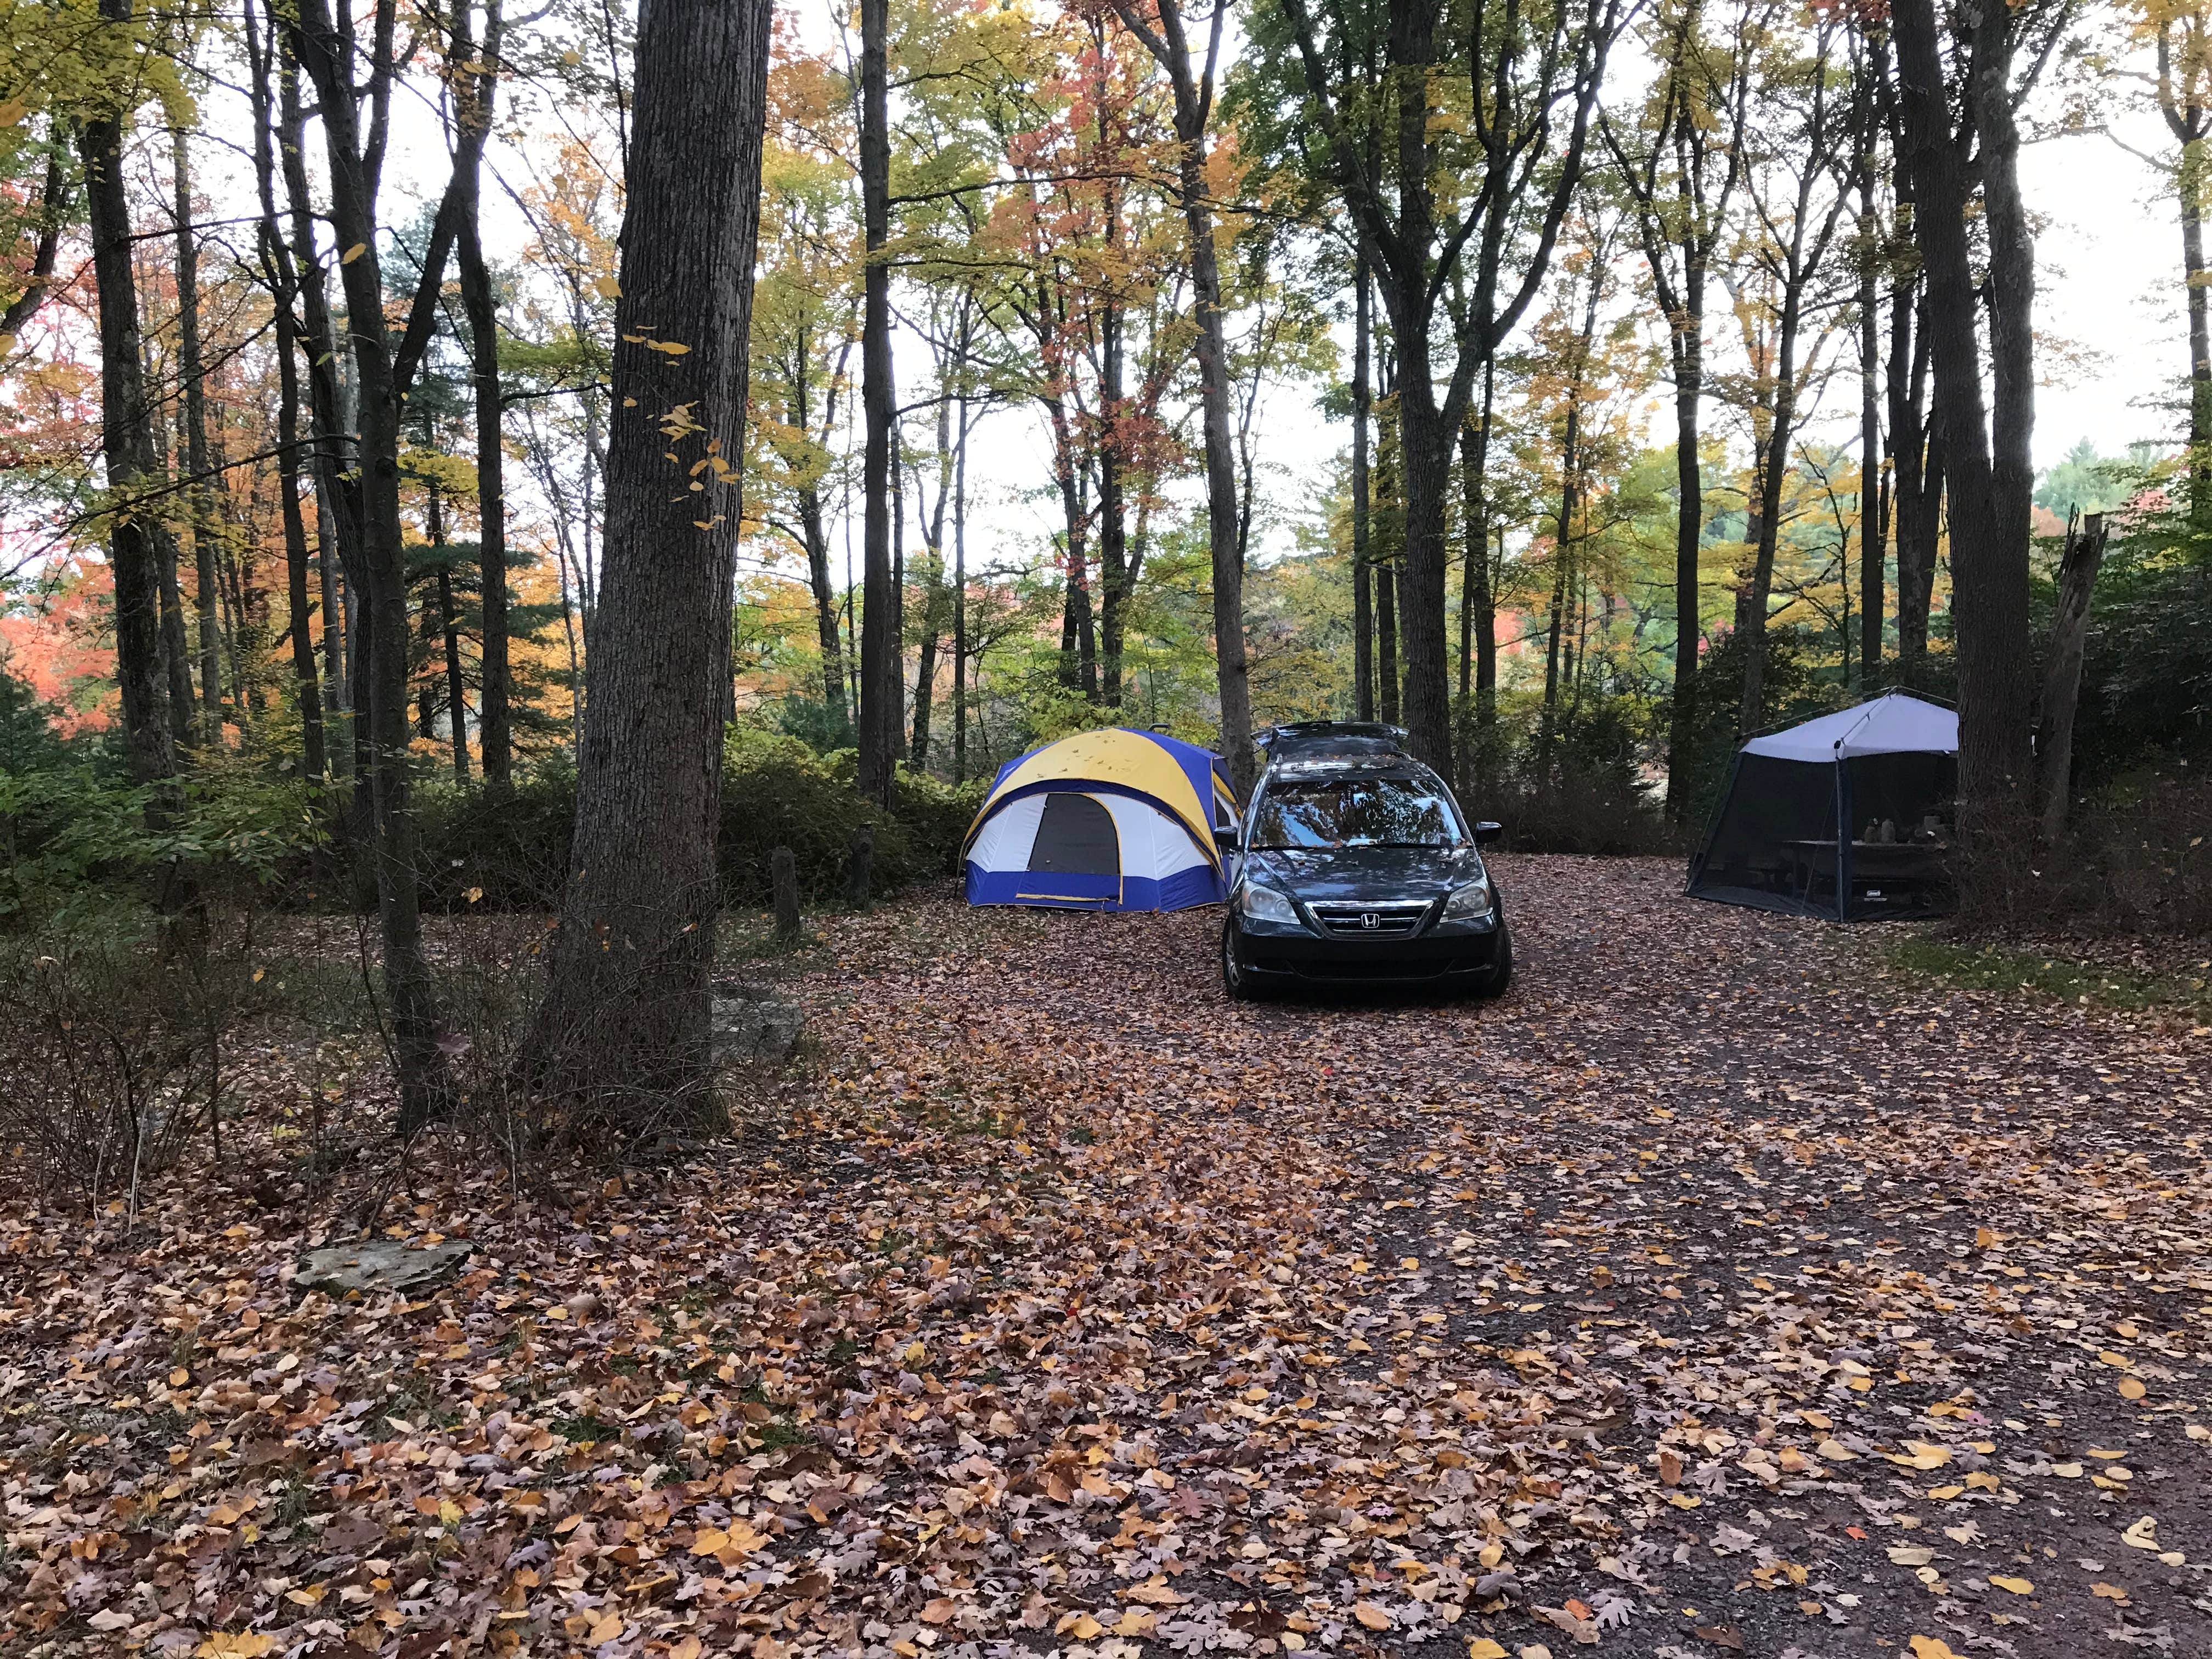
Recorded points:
(1585, 793)
(2137, 859)
(108, 1052)
(510, 850)
(776, 792)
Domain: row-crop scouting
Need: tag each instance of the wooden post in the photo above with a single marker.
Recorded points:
(2062, 678)
(783, 878)
(860, 859)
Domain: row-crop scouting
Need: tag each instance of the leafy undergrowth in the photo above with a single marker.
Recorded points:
(2054, 973)
(1711, 1293)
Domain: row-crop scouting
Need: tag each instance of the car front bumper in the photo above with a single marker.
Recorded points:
(1434, 957)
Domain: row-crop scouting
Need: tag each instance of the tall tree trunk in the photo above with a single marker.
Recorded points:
(191, 371)
(1079, 648)
(896, 713)
(1772, 473)
(813, 527)
(1193, 105)
(625, 1016)
(127, 447)
(1557, 668)
(2185, 119)
(457, 702)
(880, 670)
(925, 679)
(1113, 528)
(1426, 447)
(1478, 606)
(1363, 598)
(449, 633)
(2200, 336)
(1386, 547)
(1990, 476)
(53, 219)
(326, 50)
(960, 602)
(176, 655)
(1873, 531)
(478, 300)
(1917, 481)
(306, 687)
(337, 492)
(1874, 528)
(1687, 342)
(283, 285)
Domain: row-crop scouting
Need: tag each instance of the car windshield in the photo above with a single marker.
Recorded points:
(1354, 812)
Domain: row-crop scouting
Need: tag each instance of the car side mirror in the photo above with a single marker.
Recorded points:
(1225, 840)
(1486, 832)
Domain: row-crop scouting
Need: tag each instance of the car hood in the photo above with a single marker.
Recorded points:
(1359, 875)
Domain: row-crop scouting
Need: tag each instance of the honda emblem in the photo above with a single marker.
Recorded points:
(1369, 919)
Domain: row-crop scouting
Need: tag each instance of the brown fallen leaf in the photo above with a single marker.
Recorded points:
(1721, 1635)
(1372, 1617)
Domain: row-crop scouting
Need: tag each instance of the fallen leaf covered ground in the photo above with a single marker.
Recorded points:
(1719, 1291)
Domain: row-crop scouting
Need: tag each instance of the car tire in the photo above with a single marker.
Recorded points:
(1234, 979)
(1501, 976)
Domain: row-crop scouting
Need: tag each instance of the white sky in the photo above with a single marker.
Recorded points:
(2108, 249)
(2113, 343)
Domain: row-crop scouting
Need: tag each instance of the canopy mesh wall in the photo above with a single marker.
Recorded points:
(1794, 836)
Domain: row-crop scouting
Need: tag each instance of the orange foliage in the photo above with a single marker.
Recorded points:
(65, 648)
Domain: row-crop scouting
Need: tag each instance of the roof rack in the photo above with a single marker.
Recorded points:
(1345, 740)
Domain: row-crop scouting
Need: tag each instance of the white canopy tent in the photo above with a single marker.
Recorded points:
(1846, 816)
(1895, 723)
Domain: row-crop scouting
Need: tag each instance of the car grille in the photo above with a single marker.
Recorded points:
(1389, 921)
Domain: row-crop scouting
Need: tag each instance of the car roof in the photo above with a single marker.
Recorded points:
(1389, 768)
(1344, 742)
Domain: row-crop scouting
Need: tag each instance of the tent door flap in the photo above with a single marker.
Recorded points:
(1075, 835)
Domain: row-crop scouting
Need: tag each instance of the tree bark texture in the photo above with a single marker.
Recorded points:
(626, 1015)
(354, 157)
(127, 443)
(480, 303)
(192, 370)
(1362, 594)
(880, 670)
(283, 276)
(1985, 446)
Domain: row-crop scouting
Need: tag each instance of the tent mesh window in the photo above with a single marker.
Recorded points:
(1900, 812)
(1778, 819)
(1075, 836)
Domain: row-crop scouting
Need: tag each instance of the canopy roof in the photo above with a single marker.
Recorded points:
(1177, 777)
(1895, 723)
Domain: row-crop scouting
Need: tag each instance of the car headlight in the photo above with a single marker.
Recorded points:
(1473, 902)
(1266, 904)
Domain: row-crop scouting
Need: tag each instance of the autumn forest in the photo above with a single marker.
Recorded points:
(527, 536)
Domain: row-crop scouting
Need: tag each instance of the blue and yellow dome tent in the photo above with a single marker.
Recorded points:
(1114, 819)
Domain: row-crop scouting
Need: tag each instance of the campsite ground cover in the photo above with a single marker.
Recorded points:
(1726, 1288)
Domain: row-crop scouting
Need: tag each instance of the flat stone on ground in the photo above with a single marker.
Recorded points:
(380, 1265)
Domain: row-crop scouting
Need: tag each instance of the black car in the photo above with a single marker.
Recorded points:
(1357, 867)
